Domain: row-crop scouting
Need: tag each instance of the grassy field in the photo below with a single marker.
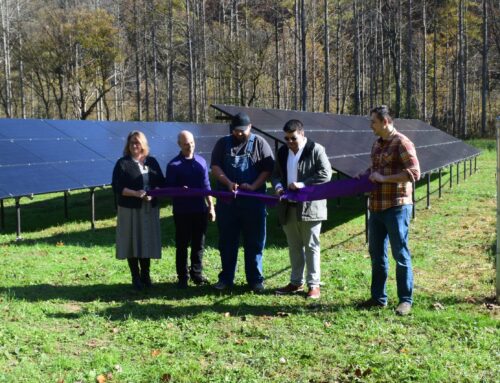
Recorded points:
(67, 313)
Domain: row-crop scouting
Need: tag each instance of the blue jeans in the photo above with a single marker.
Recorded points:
(233, 219)
(390, 225)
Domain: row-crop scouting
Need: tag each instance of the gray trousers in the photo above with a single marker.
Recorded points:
(303, 249)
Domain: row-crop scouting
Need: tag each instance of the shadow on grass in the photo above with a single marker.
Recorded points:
(137, 304)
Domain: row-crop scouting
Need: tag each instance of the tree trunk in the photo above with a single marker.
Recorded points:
(326, 100)
(170, 70)
(424, 61)
(303, 36)
(155, 72)
(21, 63)
(409, 61)
(296, 79)
(277, 73)
(190, 62)
(357, 70)
(435, 68)
(137, 64)
(484, 70)
(6, 57)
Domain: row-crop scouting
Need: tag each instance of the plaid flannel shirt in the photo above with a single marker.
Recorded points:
(389, 157)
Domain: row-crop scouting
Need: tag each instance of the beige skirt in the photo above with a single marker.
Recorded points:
(138, 232)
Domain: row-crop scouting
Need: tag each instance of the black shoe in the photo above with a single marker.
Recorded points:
(182, 284)
(146, 281)
(199, 281)
(370, 304)
(137, 284)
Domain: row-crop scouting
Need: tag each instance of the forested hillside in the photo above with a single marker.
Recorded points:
(436, 60)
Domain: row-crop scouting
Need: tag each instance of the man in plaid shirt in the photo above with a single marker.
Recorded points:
(394, 168)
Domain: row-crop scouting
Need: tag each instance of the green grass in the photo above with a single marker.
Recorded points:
(67, 313)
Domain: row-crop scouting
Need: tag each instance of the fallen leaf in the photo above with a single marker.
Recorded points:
(438, 306)
(227, 314)
(358, 372)
(155, 352)
(60, 243)
(328, 324)
(239, 341)
(118, 368)
(165, 378)
(282, 360)
(100, 379)
(403, 351)
(109, 375)
(282, 314)
(115, 330)
(60, 381)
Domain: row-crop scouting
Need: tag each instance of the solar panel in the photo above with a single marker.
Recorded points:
(348, 139)
(43, 156)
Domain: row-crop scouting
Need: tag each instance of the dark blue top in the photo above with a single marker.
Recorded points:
(192, 173)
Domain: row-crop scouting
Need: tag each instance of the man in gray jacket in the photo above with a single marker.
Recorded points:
(300, 163)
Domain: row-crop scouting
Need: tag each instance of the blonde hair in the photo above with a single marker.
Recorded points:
(141, 138)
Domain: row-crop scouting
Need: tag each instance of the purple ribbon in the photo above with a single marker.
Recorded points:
(332, 189)
(329, 190)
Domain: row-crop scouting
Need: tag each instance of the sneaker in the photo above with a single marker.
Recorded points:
(258, 287)
(314, 293)
(403, 309)
(220, 286)
(370, 304)
(182, 284)
(200, 281)
(290, 289)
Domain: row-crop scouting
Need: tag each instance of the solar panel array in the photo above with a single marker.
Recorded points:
(44, 156)
(348, 139)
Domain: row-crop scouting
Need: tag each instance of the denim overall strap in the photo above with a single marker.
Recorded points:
(239, 168)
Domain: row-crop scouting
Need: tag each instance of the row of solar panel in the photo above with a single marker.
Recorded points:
(42, 156)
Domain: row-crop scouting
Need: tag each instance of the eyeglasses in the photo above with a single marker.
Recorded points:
(288, 139)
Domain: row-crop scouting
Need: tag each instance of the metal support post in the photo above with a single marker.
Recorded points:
(440, 181)
(458, 172)
(66, 205)
(18, 219)
(470, 166)
(451, 176)
(465, 169)
(428, 190)
(92, 202)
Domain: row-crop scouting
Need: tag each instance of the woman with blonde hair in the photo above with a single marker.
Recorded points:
(138, 236)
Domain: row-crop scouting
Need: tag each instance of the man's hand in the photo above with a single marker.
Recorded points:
(377, 177)
(232, 186)
(294, 186)
(279, 191)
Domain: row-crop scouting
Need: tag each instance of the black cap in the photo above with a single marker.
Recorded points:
(240, 121)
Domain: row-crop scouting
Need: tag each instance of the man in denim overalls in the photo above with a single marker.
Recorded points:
(241, 160)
